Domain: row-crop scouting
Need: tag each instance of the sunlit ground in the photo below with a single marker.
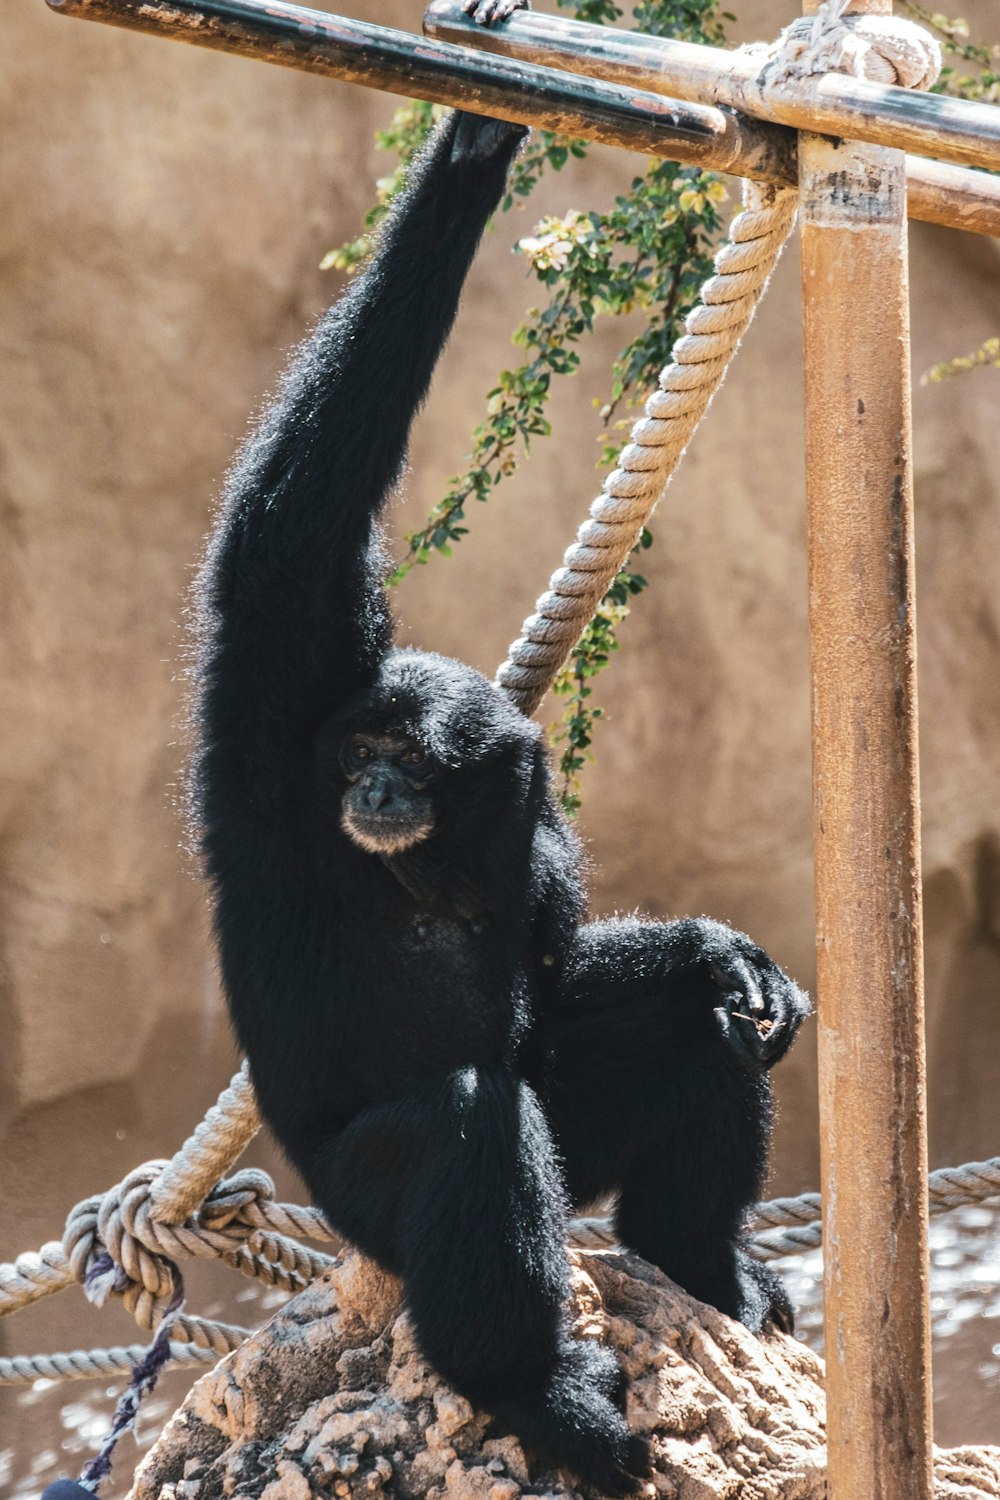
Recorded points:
(64, 1424)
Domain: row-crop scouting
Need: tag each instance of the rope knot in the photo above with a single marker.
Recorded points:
(231, 1199)
(883, 49)
(116, 1246)
(113, 1248)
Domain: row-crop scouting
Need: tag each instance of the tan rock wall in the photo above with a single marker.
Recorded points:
(162, 215)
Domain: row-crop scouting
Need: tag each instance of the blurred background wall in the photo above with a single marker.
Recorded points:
(163, 213)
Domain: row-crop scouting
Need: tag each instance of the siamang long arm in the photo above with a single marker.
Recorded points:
(293, 613)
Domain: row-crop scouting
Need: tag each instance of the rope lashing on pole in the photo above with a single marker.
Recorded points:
(885, 49)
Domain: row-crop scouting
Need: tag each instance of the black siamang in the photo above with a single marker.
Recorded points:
(448, 1054)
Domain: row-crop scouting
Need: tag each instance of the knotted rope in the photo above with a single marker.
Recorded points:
(115, 1245)
(882, 48)
(219, 1140)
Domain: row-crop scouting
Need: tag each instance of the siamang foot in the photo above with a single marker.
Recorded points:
(577, 1425)
(758, 1008)
(486, 12)
(764, 1298)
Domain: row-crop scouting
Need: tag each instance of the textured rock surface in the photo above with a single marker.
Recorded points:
(333, 1399)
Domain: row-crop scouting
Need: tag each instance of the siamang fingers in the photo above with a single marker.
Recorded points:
(486, 12)
(759, 1008)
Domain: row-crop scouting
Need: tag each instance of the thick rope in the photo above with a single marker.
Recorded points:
(781, 1227)
(788, 1226)
(241, 1224)
(86, 1364)
(219, 1141)
(35, 1274)
(658, 440)
(194, 1341)
(882, 48)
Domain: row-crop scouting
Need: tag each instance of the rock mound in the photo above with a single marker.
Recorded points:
(332, 1399)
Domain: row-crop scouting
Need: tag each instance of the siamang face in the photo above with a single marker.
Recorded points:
(389, 804)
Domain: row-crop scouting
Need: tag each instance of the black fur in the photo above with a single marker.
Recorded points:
(446, 1054)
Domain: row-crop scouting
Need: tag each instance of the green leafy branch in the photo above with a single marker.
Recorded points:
(408, 129)
(983, 84)
(987, 354)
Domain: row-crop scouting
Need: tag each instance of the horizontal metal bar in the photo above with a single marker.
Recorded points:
(378, 57)
(937, 192)
(371, 55)
(927, 124)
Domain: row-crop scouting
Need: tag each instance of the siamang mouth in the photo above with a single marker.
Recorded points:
(383, 833)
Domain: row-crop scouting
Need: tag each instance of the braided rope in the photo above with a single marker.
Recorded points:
(781, 1227)
(257, 1235)
(34, 1274)
(85, 1364)
(686, 386)
(195, 1341)
(884, 49)
(220, 1139)
(241, 1224)
(789, 1226)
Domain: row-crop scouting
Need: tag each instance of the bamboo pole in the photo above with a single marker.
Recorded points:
(927, 124)
(866, 817)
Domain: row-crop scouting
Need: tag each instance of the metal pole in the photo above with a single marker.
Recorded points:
(928, 124)
(377, 57)
(866, 817)
(936, 191)
(358, 52)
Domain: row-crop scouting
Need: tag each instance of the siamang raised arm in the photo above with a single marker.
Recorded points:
(446, 1055)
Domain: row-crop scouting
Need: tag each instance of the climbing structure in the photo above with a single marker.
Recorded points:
(757, 113)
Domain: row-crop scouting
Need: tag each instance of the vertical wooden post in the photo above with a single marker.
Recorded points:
(866, 817)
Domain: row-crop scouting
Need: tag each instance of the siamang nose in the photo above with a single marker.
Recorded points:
(377, 792)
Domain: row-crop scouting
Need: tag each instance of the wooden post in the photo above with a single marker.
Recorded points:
(866, 817)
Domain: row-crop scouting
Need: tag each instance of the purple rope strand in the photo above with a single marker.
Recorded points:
(143, 1378)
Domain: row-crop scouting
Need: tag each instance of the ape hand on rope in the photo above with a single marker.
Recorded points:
(447, 1053)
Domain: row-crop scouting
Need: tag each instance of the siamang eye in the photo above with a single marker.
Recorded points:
(414, 756)
(360, 752)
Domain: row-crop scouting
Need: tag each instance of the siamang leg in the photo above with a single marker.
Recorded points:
(456, 1188)
(650, 1096)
